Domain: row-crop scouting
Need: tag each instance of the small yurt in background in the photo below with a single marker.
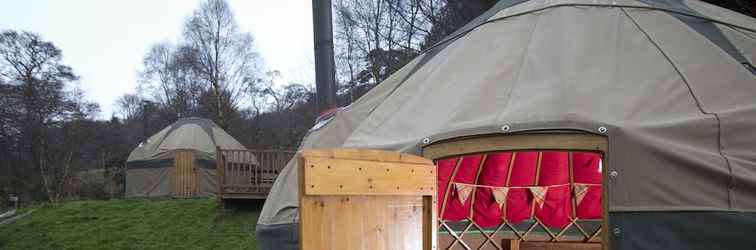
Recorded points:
(179, 160)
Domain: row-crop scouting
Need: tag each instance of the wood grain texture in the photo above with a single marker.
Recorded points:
(185, 184)
(534, 245)
(510, 244)
(430, 224)
(366, 199)
(332, 176)
(365, 155)
(549, 141)
(362, 222)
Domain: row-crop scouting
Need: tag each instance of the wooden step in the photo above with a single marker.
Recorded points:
(508, 244)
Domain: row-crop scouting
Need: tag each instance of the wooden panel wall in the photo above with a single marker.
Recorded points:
(366, 199)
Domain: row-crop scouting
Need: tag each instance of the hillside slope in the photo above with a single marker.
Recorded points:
(132, 224)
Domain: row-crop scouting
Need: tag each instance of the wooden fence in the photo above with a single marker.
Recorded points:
(248, 174)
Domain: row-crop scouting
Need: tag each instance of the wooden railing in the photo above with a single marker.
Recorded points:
(248, 174)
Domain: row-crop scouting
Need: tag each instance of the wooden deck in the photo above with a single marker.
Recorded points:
(248, 174)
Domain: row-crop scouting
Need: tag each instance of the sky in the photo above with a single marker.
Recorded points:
(104, 41)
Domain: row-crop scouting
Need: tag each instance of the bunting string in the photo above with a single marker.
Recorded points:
(527, 187)
(539, 192)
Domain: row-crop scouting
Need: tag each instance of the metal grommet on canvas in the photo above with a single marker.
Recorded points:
(505, 128)
(426, 140)
(616, 231)
(613, 175)
(602, 130)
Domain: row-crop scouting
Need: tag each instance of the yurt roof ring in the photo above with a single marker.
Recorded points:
(683, 13)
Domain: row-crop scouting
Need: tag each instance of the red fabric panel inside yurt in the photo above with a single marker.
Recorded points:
(445, 168)
(468, 168)
(586, 168)
(523, 175)
(556, 209)
(494, 173)
(507, 181)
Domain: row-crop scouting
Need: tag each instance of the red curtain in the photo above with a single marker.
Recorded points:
(468, 168)
(553, 172)
(487, 212)
(556, 209)
(586, 168)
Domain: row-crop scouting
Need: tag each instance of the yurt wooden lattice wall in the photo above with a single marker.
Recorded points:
(523, 190)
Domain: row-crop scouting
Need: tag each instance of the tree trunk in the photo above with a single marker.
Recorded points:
(219, 106)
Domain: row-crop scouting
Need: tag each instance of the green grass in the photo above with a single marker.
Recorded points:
(132, 224)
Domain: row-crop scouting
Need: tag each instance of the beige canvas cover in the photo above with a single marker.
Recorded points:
(150, 166)
(677, 97)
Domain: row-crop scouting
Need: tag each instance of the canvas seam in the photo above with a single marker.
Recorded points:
(732, 52)
(521, 64)
(711, 8)
(749, 36)
(698, 104)
(587, 5)
(736, 54)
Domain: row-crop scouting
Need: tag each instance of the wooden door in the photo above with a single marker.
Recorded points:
(366, 199)
(186, 176)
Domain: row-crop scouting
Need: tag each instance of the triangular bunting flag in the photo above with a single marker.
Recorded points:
(463, 191)
(539, 195)
(580, 191)
(500, 195)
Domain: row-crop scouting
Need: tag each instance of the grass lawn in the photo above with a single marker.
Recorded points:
(133, 224)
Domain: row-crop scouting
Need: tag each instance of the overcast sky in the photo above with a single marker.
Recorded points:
(105, 41)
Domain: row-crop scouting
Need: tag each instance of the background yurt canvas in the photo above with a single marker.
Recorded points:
(179, 161)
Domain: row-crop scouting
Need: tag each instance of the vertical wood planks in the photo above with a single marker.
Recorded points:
(185, 177)
(393, 209)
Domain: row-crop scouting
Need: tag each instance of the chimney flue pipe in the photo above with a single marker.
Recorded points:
(325, 79)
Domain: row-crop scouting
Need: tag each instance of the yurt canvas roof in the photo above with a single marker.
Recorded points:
(198, 134)
(672, 81)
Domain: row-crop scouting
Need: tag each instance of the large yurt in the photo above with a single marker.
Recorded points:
(178, 161)
(641, 113)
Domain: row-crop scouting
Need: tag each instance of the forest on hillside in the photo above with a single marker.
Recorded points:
(50, 130)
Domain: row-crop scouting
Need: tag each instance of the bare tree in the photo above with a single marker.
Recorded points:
(375, 38)
(346, 54)
(262, 93)
(226, 57)
(170, 73)
(129, 106)
(68, 141)
(282, 113)
(45, 111)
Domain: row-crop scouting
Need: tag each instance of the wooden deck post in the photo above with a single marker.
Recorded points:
(220, 175)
